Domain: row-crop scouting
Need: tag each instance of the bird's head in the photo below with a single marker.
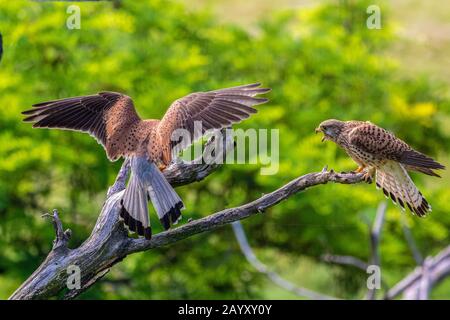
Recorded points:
(331, 129)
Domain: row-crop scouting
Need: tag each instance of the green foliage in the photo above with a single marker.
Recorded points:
(320, 62)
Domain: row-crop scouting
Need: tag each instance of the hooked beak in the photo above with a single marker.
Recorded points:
(317, 130)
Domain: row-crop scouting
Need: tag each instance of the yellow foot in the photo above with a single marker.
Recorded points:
(359, 169)
(368, 175)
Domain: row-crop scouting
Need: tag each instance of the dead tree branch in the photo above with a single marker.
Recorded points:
(109, 243)
(419, 283)
(273, 276)
(62, 237)
(375, 235)
(412, 287)
(346, 260)
(411, 243)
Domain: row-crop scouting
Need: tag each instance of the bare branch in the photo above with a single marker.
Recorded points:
(375, 235)
(62, 237)
(346, 260)
(181, 172)
(375, 232)
(108, 243)
(438, 269)
(273, 276)
(425, 281)
(411, 243)
(221, 218)
(121, 179)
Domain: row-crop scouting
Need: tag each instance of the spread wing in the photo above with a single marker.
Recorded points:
(384, 145)
(214, 109)
(101, 115)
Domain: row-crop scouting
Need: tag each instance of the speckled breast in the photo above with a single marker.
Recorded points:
(362, 157)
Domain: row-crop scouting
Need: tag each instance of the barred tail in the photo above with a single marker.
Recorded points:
(395, 182)
(134, 211)
(148, 183)
(167, 203)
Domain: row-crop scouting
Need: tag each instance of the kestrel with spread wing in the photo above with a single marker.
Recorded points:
(378, 152)
(111, 118)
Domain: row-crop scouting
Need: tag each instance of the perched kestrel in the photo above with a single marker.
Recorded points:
(379, 152)
(112, 119)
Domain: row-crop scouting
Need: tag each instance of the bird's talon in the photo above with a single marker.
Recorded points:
(368, 178)
(358, 170)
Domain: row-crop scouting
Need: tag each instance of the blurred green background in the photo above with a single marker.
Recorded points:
(321, 62)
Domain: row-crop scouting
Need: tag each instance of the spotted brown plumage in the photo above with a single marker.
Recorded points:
(112, 120)
(378, 152)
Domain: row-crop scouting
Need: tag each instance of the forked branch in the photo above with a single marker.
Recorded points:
(109, 243)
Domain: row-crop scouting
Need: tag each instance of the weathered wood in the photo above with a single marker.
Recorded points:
(109, 243)
(437, 268)
(272, 275)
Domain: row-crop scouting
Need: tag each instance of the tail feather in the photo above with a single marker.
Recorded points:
(417, 159)
(167, 203)
(395, 182)
(427, 171)
(148, 183)
(134, 209)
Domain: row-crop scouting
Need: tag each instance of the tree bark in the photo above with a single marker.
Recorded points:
(109, 243)
(418, 283)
